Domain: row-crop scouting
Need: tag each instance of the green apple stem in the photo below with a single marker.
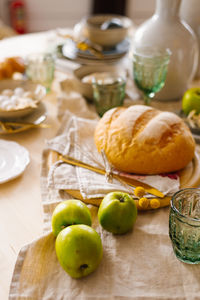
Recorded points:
(121, 199)
(66, 225)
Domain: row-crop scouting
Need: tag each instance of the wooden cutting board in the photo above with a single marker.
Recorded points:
(189, 178)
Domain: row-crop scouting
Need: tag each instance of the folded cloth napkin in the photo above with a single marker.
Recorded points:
(76, 139)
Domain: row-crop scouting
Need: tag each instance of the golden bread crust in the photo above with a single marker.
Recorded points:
(143, 140)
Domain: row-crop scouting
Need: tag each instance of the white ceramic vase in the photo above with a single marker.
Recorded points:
(165, 30)
(190, 12)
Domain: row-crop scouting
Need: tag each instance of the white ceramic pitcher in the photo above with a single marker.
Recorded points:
(190, 12)
(165, 29)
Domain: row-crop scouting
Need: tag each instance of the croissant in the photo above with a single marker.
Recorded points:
(11, 65)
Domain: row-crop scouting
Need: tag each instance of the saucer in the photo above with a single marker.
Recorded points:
(110, 55)
(118, 51)
(13, 160)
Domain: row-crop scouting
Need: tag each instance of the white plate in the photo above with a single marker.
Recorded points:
(38, 116)
(13, 160)
(69, 51)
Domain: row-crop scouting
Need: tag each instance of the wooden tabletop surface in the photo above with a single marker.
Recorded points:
(21, 215)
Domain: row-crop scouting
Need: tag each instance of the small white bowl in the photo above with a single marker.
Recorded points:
(38, 90)
(85, 89)
(108, 37)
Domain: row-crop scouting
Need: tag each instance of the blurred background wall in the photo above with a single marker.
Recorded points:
(48, 14)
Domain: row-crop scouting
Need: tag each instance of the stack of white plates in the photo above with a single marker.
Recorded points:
(109, 55)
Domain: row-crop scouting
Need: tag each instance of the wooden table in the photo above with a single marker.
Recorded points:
(21, 216)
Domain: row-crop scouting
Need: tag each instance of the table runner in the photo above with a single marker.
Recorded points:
(138, 265)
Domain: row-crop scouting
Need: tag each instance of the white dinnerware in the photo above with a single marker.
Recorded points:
(85, 87)
(38, 92)
(166, 30)
(97, 29)
(13, 160)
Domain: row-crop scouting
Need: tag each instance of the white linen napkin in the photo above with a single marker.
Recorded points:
(76, 139)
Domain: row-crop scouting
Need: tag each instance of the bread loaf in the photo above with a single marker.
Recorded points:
(144, 140)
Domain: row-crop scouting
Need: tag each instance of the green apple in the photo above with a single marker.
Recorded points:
(70, 212)
(117, 212)
(79, 250)
(191, 100)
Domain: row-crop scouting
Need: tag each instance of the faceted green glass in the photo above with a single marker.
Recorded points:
(40, 69)
(184, 225)
(107, 96)
(150, 70)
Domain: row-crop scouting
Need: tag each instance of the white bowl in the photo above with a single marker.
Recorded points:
(109, 37)
(38, 90)
(85, 89)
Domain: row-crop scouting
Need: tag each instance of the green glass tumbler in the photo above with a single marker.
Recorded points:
(40, 69)
(108, 93)
(184, 225)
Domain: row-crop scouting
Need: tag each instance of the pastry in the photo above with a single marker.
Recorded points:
(11, 65)
(143, 140)
(17, 64)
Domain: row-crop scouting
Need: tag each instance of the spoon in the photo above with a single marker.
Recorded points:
(111, 23)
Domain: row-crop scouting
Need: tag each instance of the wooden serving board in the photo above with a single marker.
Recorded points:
(189, 178)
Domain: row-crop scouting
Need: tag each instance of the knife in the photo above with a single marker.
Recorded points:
(9, 127)
(132, 182)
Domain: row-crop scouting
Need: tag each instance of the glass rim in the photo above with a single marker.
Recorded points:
(160, 52)
(158, 62)
(39, 57)
(116, 81)
(176, 210)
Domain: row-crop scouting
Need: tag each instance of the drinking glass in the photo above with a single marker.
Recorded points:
(40, 69)
(150, 70)
(108, 92)
(184, 225)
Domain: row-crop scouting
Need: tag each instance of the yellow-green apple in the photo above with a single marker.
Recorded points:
(191, 100)
(117, 212)
(79, 250)
(70, 212)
